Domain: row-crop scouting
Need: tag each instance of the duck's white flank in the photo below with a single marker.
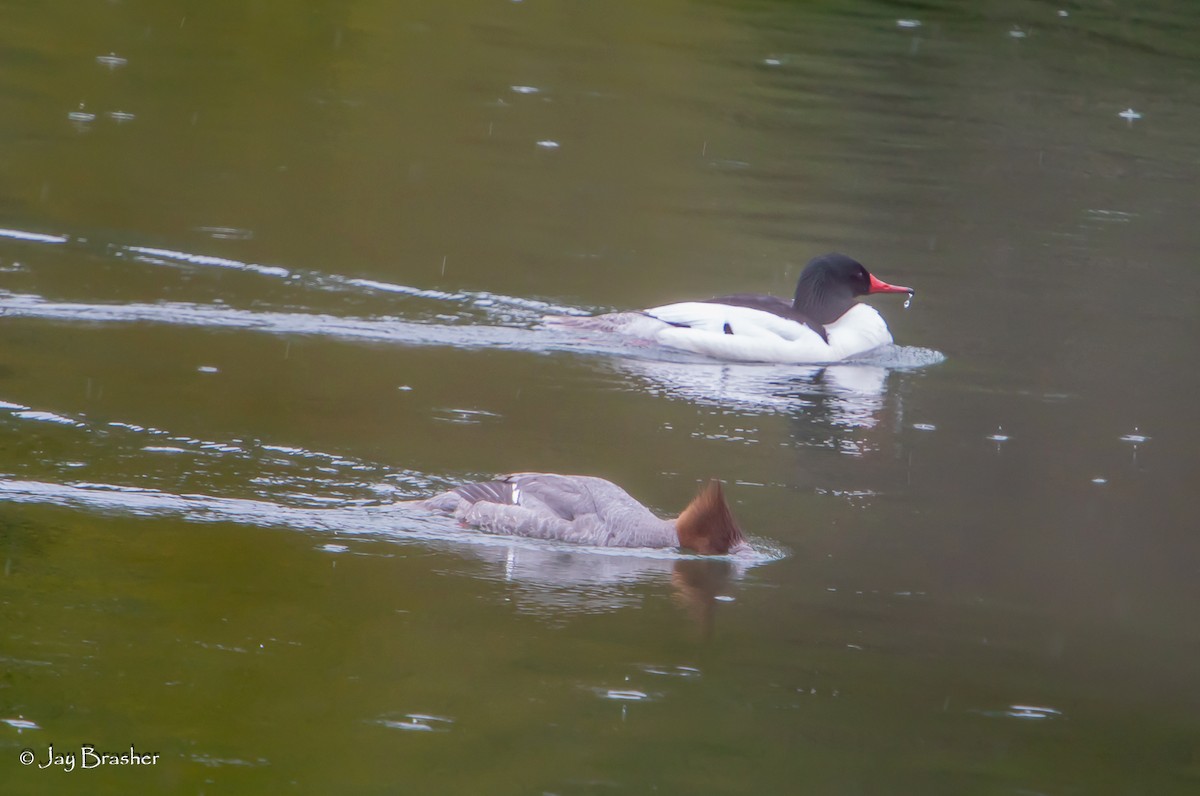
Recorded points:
(758, 336)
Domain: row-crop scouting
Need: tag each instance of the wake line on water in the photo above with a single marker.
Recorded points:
(389, 330)
(282, 499)
(492, 302)
(483, 299)
(381, 330)
(530, 336)
(394, 522)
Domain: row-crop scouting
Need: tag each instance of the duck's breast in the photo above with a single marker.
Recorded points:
(860, 329)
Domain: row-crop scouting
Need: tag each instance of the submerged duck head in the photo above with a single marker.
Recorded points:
(707, 525)
(829, 284)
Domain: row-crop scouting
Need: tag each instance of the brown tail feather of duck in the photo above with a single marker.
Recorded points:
(707, 525)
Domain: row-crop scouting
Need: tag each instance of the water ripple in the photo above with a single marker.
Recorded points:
(36, 237)
(419, 722)
(281, 473)
(624, 695)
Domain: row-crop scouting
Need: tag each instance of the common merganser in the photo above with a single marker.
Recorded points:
(823, 323)
(590, 511)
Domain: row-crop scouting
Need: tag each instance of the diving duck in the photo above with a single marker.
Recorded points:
(589, 511)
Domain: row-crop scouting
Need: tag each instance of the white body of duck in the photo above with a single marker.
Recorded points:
(824, 323)
(743, 334)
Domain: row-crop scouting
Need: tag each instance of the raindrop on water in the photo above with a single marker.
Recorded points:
(1136, 437)
(626, 695)
(112, 60)
(80, 116)
(999, 437)
(1031, 712)
(21, 723)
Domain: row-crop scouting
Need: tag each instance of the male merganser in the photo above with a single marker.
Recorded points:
(591, 511)
(823, 323)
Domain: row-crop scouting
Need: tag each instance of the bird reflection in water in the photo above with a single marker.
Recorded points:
(554, 582)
